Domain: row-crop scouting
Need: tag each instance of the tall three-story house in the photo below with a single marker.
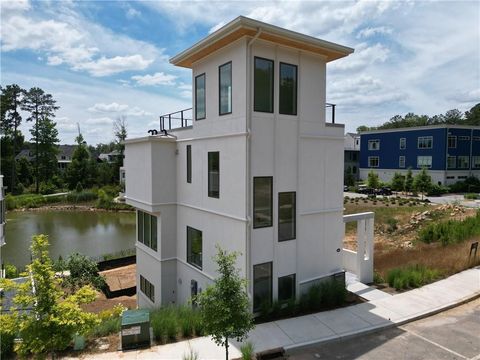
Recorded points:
(258, 170)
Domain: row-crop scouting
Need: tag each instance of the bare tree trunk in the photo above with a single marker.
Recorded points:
(226, 348)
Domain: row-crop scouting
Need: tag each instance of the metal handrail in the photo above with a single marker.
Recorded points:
(184, 121)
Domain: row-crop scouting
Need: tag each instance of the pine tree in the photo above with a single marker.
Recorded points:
(422, 182)
(409, 180)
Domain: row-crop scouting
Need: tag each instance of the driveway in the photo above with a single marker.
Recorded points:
(453, 334)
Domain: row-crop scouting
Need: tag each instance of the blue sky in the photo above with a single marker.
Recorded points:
(104, 59)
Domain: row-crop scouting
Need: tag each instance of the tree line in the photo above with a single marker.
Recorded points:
(451, 117)
(42, 174)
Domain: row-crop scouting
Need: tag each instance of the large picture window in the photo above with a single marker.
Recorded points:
(288, 89)
(263, 85)
(424, 162)
(200, 101)
(262, 201)
(286, 288)
(225, 91)
(286, 216)
(262, 285)
(194, 247)
(147, 229)
(189, 163)
(214, 174)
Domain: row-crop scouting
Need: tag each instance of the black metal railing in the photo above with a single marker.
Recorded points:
(176, 120)
(332, 110)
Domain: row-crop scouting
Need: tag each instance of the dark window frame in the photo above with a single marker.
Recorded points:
(219, 89)
(153, 230)
(294, 215)
(273, 84)
(294, 292)
(271, 202)
(147, 288)
(257, 308)
(189, 257)
(212, 193)
(280, 88)
(204, 97)
(189, 163)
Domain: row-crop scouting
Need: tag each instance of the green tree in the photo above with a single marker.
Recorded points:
(83, 271)
(47, 136)
(398, 182)
(453, 117)
(24, 171)
(409, 181)
(422, 182)
(79, 170)
(472, 117)
(224, 306)
(54, 317)
(41, 107)
(372, 180)
(120, 132)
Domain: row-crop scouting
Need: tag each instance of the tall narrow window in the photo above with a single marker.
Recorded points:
(262, 285)
(452, 142)
(286, 216)
(200, 107)
(288, 89)
(189, 164)
(262, 201)
(403, 143)
(140, 226)
(214, 174)
(286, 288)
(263, 85)
(225, 91)
(401, 162)
(194, 247)
(147, 229)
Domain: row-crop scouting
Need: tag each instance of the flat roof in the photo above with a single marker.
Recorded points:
(243, 26)
(428, 127)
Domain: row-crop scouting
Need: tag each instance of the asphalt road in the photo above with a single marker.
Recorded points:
(453, 334)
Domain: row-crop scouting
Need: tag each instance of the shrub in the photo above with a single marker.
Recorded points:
(104, 201)
(377, 278)
(6, 345)
(165, 323)
(411, 276)
(79, 187)
(10, 271)
(46, 188)
(471, 196)
(437, 190)
(83, 271)
(247, 351)
(82, 196)
(471, 184)
(392, 225)
(451, 231)
(106, 327)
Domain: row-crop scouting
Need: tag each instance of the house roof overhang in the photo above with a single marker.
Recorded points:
(243, 26)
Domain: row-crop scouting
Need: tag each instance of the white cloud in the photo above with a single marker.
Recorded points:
(115, 107)
(54, 60)
(370, 31)
(472, 96)
(132, 13)
(158, 78)
(186, 94)
(99, 121)
(216, 27)
(109, 66)
(364, 55)
(14, 5)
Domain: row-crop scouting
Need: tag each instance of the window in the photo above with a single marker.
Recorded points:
(373, 161)
(262, 202)
(147, 229)
(225, 88)
(200, 107)
(476, 138)
(463, 177)
(286, 288)
(463, 162)
(263, 85)
(450, 177)
(214, 174)
(451, 162)
(401, 162)
(424, 161)
(147, 288)
(374, 144)
(286, 216)
(476, 162)
(403, 143)
(464, 138)
(262, 285)
(189, 164)
(194, 247)
(425, 142)
(288, 89)
(452, 142)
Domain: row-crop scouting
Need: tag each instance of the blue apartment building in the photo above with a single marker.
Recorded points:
(451, 153)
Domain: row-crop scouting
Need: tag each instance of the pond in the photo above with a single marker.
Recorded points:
(87, 232)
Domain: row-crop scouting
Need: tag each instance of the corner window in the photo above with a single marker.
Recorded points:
(262, 285)
(263, 85)
(463, 162)
(189, 164)
(403, 143)
(452, 142)
(288, 89)
(147, 229)
(286, 288)
(214, 174)
(200, 107)
(424, 162)
(286, 216)
(425, 142)
(401, 162)
(374, 144)
(373, 161)
(262, 202)
(225, 88)
(147, 288)
(451, 162)
(194, 247)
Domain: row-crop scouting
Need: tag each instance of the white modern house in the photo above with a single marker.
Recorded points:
(256, 169)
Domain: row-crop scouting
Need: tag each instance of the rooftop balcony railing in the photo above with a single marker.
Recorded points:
(184, 118)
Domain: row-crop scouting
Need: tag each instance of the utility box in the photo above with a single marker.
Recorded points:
(135, 329)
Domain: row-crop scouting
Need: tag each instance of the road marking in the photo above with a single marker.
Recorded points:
(436, 344)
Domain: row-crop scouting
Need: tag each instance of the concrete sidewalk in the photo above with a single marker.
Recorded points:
(332, 325)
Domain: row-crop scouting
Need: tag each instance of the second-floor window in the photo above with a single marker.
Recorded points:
(374, 144)
(200, 101)
(373, 161)
(288, 89)
(262, 201)
(225, 91)
(425, 142)
(214, 174)
(463, 162)
(263, 85)
(452, 142)
(424, 162)
(189, 164)
(403, 143)
(147, 229)
(194, 247)
(286, 216)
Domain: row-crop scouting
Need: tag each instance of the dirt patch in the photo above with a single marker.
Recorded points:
(102, 303)
(120, 278)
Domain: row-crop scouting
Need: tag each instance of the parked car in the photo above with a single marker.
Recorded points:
(384, 191)
(364, 189)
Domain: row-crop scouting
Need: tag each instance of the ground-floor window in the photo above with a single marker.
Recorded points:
(476, 162)
(424, 162)
(286, 288)
(147, 288)
(451, 162)
(262, 285)
(463, 162)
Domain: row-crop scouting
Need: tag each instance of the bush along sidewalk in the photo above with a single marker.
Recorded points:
(411, 277)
